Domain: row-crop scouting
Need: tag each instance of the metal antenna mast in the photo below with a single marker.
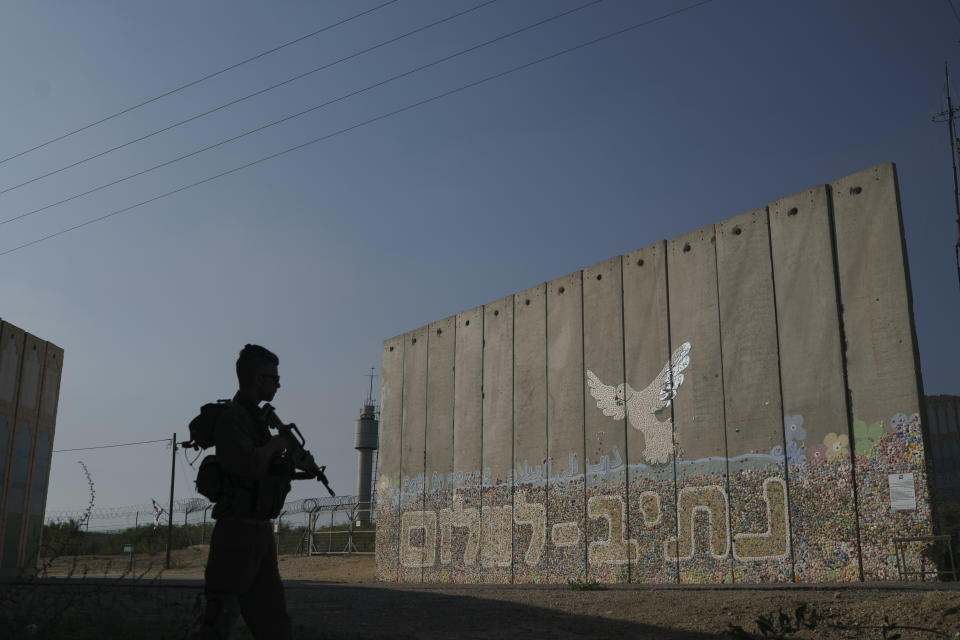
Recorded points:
(947, 116)
(373, 373)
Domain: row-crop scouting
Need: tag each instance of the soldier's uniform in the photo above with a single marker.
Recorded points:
(241, 576)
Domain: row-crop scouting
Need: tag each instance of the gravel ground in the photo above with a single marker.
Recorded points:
(336, 597)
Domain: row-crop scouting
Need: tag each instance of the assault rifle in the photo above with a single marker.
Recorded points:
(298, 454)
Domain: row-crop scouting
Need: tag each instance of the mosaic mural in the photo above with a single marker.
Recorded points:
(473, 542)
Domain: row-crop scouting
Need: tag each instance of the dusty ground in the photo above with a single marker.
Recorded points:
(336, 598)
(188, 563)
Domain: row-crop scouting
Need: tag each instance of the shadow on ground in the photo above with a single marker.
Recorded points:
(350, 611)
(106, 608)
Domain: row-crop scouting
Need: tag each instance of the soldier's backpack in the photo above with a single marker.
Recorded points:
(203, 427)
(211, 482)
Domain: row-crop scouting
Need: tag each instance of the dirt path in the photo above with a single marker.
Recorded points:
(189, 563)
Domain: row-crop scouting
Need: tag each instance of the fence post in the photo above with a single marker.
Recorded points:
(203, 531)
(173, 469)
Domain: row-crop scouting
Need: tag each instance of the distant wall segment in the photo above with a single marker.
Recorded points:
(738, 404)
(30, 370)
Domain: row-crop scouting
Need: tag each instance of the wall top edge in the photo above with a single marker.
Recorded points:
(877, 172)
(774, 207)
(6, 327)
(813, 196)
(9, 326)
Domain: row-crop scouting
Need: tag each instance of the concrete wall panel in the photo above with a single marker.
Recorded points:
(388, 461)
(25, 428)
(42, 452)
(759, 509)
(496, 517)
(529, 433)
(882, 369)
(566, 551)
(439, 443)
(468, 448)
(11, 357)
(652, 509)
(703, 514)
(416, 534)
(609, 546)
(822, 509)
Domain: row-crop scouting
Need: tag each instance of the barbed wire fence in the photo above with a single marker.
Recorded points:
(310, 526)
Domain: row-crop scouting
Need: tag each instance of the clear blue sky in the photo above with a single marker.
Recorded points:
(323, 253)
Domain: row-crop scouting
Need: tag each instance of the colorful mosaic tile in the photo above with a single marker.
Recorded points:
(653, 520)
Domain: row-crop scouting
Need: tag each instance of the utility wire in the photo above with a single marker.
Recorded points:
(248, 96)
(305, 111)
(954, 10)
(366, 122)
(110, 446)
(199, 80)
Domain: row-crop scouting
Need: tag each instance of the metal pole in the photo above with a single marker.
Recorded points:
(173, 469)
(947, 116)
(330, 531)
(953, 157)
(203, 531)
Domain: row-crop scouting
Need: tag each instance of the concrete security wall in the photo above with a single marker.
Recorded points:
(30, 371)
(738, 404)
(943, 425)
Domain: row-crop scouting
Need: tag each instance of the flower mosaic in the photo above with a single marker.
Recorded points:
(866, 436)
(793, 428)
(893, 453)
(899, 423)
(817, 454)
(837, 445)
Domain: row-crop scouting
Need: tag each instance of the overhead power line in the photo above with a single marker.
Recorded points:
(364, 123)
(247, 97)
(110, 446)
(199, 80)
(304, 112)
(954, 10)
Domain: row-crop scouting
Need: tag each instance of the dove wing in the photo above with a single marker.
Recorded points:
(662, 390)
(606, 397)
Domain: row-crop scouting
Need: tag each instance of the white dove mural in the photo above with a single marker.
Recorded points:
(643, 408)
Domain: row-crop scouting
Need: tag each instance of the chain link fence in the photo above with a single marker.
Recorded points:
(311, 526)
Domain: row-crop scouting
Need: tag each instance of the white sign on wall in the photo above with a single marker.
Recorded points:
(902, 495)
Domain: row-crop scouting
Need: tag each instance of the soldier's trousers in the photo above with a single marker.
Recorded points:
(242, 574)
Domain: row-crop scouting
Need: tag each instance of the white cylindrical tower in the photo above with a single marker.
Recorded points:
(365, 443)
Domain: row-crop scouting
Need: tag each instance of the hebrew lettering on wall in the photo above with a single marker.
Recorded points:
(534, 516)
(711, 426)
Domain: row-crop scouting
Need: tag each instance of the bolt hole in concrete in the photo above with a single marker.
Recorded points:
(391, 348)
(599, 276)
(640, 262)
(737, 231)
(560, 290)
(792, 212)
(467, 323)
(439, 331)
(855, 190)
(527, 302)
(414, 341)
(496, 312)
(686, 248)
